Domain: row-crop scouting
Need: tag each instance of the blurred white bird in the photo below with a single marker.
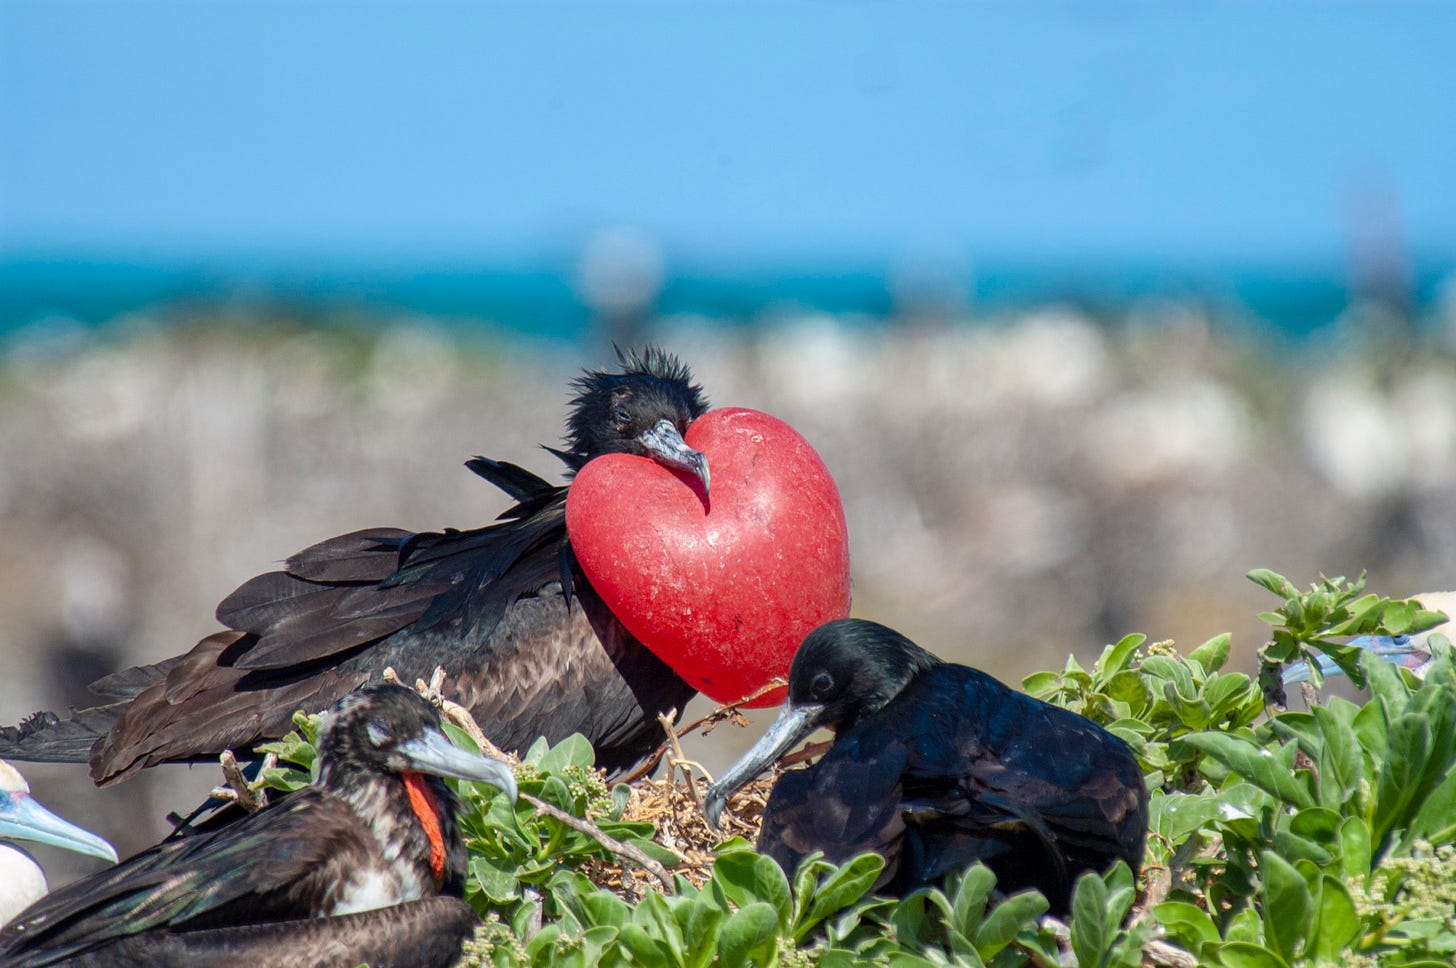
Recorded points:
(22, 818)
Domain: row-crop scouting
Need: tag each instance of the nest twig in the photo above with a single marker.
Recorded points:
(729, 713)
(253, 796)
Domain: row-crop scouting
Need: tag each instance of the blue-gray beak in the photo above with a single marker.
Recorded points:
(668, 448)
(1401, 650)
(22, 818)
(433, 753)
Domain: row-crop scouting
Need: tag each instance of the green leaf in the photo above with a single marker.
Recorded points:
(1286, 904)
(1273, 581)
(971, 895)
(700, 933)
(572, 751)
(1089, 920)
(1189, 924)
(1245, 954)
(1339, 924)
(1272, 772)
(746, 930)
(1114, 658)
(1041, 684)
(1006, 920)
(1212, 654)
(841, 889)
(645, 949)
(1436, 819)
(1403, 772)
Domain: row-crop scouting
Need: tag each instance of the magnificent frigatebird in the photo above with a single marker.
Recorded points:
(492, 606)
(22, 818)
(935, 766)
(375, 833)
(1410, 651)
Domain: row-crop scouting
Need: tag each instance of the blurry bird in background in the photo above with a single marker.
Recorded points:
(365, 852)
(22, 881)
(1409, 651)
(936, 766)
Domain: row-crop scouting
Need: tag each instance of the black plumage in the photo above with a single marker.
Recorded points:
(496, 607)
(369, 849)
(935, 766)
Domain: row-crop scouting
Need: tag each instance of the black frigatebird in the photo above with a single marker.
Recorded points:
(369, 848)
(22, 818)
(936, 766)
(492, 606)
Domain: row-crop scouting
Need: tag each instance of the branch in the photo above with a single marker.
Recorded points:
(634, 854)
(711, 721)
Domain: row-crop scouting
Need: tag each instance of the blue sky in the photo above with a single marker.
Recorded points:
(734, 134)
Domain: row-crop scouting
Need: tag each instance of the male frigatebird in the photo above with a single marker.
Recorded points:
(22, 818)
(492, 606)
(369, 849)
(935, 766)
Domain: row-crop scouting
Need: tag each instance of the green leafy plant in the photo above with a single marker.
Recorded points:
(1298, 838)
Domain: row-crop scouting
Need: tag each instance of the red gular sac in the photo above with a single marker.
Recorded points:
(723, 585)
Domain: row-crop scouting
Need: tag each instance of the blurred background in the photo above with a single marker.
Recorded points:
(1090, 307)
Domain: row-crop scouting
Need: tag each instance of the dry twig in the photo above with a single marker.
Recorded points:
(707, 723)
(252, 797)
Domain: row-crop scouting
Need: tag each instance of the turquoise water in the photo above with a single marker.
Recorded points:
(1292, 299)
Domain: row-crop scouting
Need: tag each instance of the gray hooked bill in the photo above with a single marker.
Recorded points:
(668, 448)
(433, 753)
(792, 724)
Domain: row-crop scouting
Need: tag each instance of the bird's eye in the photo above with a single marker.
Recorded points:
(821, 684)
(622, 417)
(378, 735)
(1400, 640)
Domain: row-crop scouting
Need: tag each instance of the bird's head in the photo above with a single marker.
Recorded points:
(843, 671)
(644, 410)
(22, 818)
(391, 729)
(1413, 652)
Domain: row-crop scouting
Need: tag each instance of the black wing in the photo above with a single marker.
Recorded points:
(1040, 794)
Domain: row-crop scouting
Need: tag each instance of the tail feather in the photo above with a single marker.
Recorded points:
(47, 738)
(129, 683)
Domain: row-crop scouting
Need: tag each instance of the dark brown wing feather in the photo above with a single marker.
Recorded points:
(491, 606)
(427, 933)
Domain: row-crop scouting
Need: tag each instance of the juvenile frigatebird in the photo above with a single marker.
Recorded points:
(22, 818)
(936, 766)
(369, 848)
(527, 644)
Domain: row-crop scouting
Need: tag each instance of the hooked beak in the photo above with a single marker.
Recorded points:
(1401, 650)
(791, 726)
(668, 448)
(22, 818)
(433, 753)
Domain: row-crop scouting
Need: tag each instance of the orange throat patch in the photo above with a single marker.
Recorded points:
(426, 807)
